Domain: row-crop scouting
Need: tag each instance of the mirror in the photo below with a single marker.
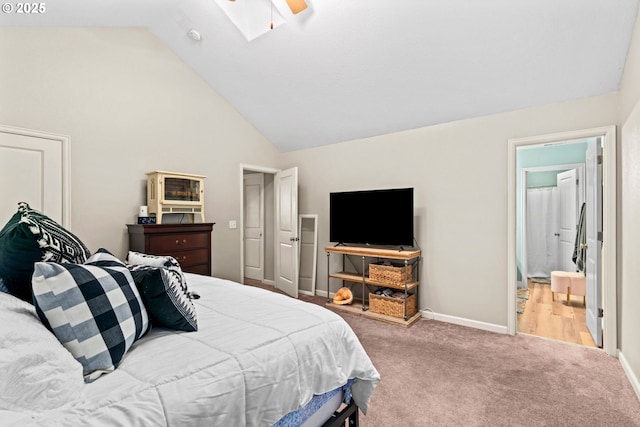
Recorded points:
(308, 247)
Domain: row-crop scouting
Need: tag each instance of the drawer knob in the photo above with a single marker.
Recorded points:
(184, 258)
(178, 242)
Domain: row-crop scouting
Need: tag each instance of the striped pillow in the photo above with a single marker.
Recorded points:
(167, 261)
(94, 309)
(165, 297)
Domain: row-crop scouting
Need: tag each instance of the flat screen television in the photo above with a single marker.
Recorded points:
(372, 217)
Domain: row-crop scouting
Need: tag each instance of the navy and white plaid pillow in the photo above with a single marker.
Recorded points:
(94, 309)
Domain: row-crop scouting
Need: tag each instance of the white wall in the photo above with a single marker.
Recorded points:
(629, 226)
(130, 106)
(459, 172)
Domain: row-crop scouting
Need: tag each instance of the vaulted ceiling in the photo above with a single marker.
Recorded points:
(343, 70)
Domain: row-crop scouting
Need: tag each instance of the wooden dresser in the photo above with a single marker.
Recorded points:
(190, 244)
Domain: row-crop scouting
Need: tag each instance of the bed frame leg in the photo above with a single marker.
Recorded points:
(349, 413)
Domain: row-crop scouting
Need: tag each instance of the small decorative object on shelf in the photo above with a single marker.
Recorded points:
(175, 193)
(343, 296)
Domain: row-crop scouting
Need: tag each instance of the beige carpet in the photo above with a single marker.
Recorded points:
(440, 374)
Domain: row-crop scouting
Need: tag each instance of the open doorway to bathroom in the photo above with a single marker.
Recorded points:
(552, 190)
(536, 167)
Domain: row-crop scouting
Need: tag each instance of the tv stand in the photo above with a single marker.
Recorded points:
(409, 259)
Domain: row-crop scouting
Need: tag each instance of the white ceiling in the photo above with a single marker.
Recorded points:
(344, 70)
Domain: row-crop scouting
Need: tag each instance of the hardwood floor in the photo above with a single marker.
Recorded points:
(554, 319)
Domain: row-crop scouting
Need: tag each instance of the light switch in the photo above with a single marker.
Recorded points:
(232, 224)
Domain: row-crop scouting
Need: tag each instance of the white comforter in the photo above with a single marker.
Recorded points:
(256, 356)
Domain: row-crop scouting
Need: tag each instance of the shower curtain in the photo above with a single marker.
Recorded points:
(542, 231)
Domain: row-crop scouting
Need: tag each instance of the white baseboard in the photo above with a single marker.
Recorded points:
(321, 293)
(427, 314)
(633, 379)
(269, 282)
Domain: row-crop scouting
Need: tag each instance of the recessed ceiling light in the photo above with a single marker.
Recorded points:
(194, 35)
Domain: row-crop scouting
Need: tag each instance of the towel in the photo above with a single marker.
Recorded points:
(580, 247)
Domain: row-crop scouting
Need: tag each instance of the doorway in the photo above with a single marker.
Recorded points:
(275, 246)
(257, 225)
(551, 199)
(608, 277)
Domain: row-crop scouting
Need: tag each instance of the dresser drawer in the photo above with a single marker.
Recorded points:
(189, 258)
(198, 269)
(177, 242)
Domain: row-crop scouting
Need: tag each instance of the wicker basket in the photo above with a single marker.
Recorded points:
(390, 274)
(390, 306)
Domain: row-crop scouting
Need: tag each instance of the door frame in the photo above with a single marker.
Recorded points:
(609, 209)
(523, 204)
(248, 168)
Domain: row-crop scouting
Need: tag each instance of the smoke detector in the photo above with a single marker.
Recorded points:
(194, 35)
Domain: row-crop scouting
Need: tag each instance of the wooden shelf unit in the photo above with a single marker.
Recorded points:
(361, 308)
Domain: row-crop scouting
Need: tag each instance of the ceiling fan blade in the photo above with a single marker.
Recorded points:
(297, 6)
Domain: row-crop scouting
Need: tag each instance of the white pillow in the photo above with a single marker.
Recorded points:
(138, 258)
(36, 372)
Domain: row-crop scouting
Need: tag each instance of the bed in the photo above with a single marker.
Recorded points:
(92, 340)
(256, 357)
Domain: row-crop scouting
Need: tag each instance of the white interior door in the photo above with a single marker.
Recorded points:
(37, 165)
(287, 255)
(254, 226)
(594, 245)
(568, 201)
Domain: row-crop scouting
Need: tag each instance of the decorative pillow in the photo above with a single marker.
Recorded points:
(94, 309)
(29, 237)
(164, 296)
(169, 262)
(138, 258)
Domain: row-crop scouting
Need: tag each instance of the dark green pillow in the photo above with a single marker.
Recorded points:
(165, 297)
(30, 237)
